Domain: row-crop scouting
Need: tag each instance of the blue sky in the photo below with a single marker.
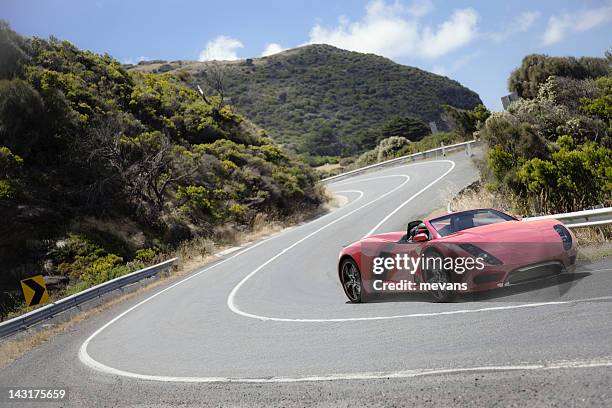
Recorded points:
(477, 43)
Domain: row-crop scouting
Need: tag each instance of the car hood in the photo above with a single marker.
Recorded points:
(509, 231)
(514, 242)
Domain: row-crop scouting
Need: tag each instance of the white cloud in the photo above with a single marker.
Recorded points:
(559, 25)
(526, 19)
(420, 8)
(454, 33)
(393, 30)
(520, 24)
(272, 48)
(221, 48)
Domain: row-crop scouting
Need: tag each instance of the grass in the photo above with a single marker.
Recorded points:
(474, 196)
(594, 243)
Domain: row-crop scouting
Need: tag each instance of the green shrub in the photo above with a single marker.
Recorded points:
(501, 162)
(201, 200)
(600, 106)
(239, 212)
(102, 269)
(572, 179)
(8, 189)
(387, 148)
(146, 254)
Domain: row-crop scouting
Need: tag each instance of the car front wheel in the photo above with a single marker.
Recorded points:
(352, 284)
(436, 273)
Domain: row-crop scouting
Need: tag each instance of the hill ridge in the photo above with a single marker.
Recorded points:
(297, 92)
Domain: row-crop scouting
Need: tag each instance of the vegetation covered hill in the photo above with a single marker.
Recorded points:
(300, 94)
(101, 167)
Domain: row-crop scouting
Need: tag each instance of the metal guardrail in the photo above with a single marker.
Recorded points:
(467, 145)
(577, 219)
(24, 321)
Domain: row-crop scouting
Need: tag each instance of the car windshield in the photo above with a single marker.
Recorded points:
(449, 224)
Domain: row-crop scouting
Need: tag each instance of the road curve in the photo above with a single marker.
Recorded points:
(274, 312)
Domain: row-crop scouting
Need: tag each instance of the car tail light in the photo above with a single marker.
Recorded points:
(565, 235)
(480, 253)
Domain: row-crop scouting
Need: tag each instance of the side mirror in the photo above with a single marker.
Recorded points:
(422, 237)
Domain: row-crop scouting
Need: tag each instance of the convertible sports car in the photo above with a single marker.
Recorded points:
(503, 251)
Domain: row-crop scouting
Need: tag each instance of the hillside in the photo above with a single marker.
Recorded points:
(100, 168)
(301, 91)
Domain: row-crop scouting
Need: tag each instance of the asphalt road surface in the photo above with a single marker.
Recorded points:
(270, 325)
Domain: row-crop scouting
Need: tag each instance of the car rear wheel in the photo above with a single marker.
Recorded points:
(352, 284)
(436, 273)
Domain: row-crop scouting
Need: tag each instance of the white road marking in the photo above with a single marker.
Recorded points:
(341, 193)
(432, 314)
(228, 251)
(553, 365)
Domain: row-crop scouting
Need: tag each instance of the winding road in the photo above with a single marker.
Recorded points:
(270, 325)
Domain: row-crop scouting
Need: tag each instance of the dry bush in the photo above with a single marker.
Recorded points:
(125, 229)
(594, 235)
(474, 196)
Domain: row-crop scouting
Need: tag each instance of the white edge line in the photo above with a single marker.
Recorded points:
(432, 314)
(555, 365)
(228, 251)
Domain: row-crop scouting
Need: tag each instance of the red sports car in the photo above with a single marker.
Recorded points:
(466, 251)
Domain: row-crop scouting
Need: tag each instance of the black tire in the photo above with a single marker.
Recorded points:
(350, 278)
(433, 274)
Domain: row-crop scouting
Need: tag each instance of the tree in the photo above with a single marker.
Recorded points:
(466, 122)
(364, 139)
(411, 128)
(536, 68)
(13, 52)
(21, 114)
(146, 166)
(214, 78)
(325, 142)
(601, 106)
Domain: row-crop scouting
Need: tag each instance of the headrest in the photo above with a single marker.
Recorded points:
(462, 222)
